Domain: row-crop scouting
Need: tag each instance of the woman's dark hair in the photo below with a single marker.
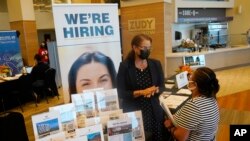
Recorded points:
(87, 58)
(137, 41)
(207, 82)
(38, 58)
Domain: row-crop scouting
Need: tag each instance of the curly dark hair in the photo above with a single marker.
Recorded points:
(207, 83)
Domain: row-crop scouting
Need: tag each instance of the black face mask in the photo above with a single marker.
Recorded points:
(144, 54)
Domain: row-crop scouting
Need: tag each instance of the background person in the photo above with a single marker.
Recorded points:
(140, 80)
(38, 74)
(91, 70)
(198, 119)
(43, 52)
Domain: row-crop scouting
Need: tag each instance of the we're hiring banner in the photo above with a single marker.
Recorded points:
(10, 53)
(92, 32)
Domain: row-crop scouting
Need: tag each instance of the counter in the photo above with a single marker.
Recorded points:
(215, 59)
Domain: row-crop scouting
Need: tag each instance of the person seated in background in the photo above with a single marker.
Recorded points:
(198, 119)
(38, 74)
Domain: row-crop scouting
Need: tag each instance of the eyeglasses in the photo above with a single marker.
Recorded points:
(145, 47)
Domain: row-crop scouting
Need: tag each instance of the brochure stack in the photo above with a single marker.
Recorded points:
(93, 115)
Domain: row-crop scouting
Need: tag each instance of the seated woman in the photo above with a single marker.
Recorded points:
(38, 75)
(198, 119)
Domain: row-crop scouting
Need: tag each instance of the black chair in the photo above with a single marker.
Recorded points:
(47, 87)
(50, 81)
(12, 127)
(25, 88)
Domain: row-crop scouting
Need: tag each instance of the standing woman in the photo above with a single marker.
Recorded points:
(140, 81)
(198, 119)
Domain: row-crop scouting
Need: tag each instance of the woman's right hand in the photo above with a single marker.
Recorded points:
(150, 91)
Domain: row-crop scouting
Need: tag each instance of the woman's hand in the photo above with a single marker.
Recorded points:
(147, 93)
(150, 91)
(168, 124)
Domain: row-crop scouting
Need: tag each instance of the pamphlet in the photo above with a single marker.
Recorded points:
(120, 130)
(54, 137)
(84, 106)
(107, 116)
(169, 86)
(46, 124)
(167, 111)
(91, 133)
(68, 118)
(137, 124)
(173, 101)
(107, 100)
(92, 90)
(184, 91)
(181, 79)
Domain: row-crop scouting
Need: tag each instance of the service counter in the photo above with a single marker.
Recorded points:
(214, 58)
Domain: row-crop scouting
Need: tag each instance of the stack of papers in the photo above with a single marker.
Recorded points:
(169, 86)
(170, 81)
(173, 101)
(184, 91)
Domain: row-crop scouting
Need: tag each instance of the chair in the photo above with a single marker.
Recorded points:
(12, 127)
(48, 85)
(50, 81)
(25, 87)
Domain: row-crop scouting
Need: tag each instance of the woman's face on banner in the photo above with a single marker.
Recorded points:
(93, 75)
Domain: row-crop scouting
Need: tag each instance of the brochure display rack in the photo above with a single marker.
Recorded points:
(92, 115)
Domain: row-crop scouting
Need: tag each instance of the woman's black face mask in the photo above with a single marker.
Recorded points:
(144, 54)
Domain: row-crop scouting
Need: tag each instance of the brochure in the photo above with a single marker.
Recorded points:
(91, 133)
(137, 124)
(68, 118)
(167, 111)
(181, 79)
(173, 101)
(84, 106)
(120, 130)
(55, 137)
(107, 100)
(92, 90)
(46, 124)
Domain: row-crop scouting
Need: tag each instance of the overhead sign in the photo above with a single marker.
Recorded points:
(192, 15)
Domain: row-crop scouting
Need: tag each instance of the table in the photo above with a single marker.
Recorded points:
(13, 88)
(173, 92)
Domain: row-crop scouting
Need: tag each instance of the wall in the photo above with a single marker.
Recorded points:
(185, 30)
(220, 59)
(44, 20)
(241, 21)
(145, 11)
(4, 20)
